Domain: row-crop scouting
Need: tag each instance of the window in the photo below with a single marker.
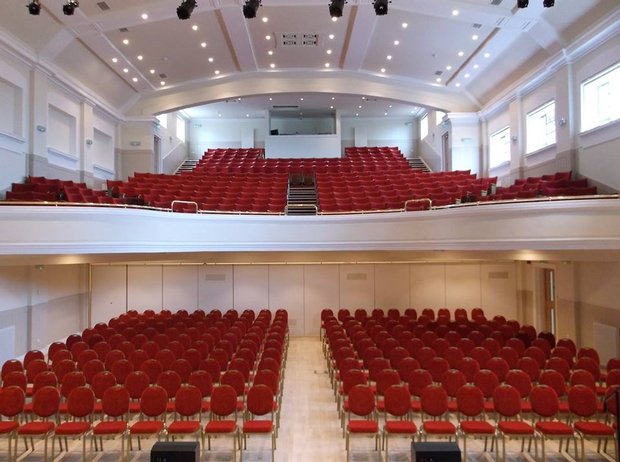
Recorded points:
(499, 147)
(540, 126)
(424, 127)
(181, 129)
(163, 120)
(439, 115)
(599, 97)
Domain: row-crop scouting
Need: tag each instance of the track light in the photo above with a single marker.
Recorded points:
(184, 10)
(336, 7)
(381, 7)
(548, 3)
(69, 8)
(523, 3)
(34, 7)
(250, 8)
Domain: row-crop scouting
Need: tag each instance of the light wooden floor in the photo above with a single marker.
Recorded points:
(309, 431)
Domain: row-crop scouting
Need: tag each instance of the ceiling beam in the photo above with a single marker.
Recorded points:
(235, 29)
(362, 22)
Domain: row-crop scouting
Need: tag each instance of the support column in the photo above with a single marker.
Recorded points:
(37, 157)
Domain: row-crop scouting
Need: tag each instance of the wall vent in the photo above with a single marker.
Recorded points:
(285, 108)
(357, 276)
(215, 277)
(103, 6)
(496, 2)
(476, 25)
(438, 72)
(294, 39)
(498, 275)
(163, 76)
(124, 30)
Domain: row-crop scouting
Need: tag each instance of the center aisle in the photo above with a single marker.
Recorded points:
(309, 426)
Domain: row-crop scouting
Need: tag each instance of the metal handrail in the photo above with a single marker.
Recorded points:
(425, 199)
(183, 202)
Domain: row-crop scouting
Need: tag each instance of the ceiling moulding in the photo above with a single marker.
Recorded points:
(345, 82)
(603, 32)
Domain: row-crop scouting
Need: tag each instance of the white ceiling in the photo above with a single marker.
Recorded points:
(445, 47)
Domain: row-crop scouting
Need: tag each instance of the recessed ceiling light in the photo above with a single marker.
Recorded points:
(210, 59)
(396, 42)
(327, 64)
(334, 19)
(270, 52)
(466, 76)
(162, 83)
(267, 37)
(203, 44)
(114, 60)
(476, 66)
(390, 106)
(363, 98)
(301, 99)
(389, 57)
(438, 80)
(219, 114)
(413, 111)
(359, 107)
(272, 65)
(331, 36)
(460, 53)
(455, 12)
(486, 55)
(329, 52)
(247, 115)
(125, 70)
(383, 69)
(448, 67)
(405, 25)
(333, 98)
(270, 98)
(135, 79)
(195, 27)
(152, 71)
(458, 84)
(216, 72)
(331, 107)
(357, 114)
(125, 41)
(265, 19)
(475, 37)
(145, 16)
(140, 57)
(385, 113)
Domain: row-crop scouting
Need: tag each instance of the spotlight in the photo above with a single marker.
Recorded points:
(250, 8)
(69, 8)
(34, 7)
(523, 3)
(184, 10)
(381, 7)
(548, 3)
(336, 7)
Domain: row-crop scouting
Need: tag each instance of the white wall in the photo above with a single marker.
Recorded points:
(41, 304)
(304, 290)
(224, 133)
(386, 131)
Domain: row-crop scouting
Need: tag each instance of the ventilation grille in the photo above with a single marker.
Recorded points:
(293, 39)
(124, 30)
(356, 276)
(496, 2)
(103, 6)
(215, 277)
(498, 275)
(476, 25)
(163, 76)
(438, 73)
(285, 108)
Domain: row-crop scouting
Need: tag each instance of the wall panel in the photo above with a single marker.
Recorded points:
(322, 290)
(428, 286)
(499, 290)
(180, 288)
(286, 290)
(109, 292)
(144, 288)
(392, 286)
(215, 287)
(357, 286)
(463, 286)
(251, 287)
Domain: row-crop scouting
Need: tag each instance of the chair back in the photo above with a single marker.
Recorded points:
(260, 400)
(397, 400)
(223, 401)
(470, 400)
(154, 401)
(81, 402)
(12, 401)
(361, 400)
(188, 401)
(544, 401)
(45, 402)
(582, 401)
(434, 400)
(507, 401)
(115, 401)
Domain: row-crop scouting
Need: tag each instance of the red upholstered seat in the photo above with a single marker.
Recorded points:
(183, 426)
(36, 428)
(221, 426)
(594, 428)
(439, 427)
(363, 426)
(72, 428)
(110, 427)
(8, 427)
(147, 427)
(476, 426)
(554, 428)
(515, 428)
(400, 426)
(258, 426)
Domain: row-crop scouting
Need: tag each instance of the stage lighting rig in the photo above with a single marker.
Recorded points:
(69, 8)
(523, 3)
(250, 8)
(336, 7)
(381, 7)
(34, 7)
(184, 10)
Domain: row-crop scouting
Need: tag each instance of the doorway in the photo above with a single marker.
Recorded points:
(550, 324)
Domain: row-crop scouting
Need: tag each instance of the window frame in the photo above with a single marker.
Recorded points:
(162, 120)
(424, 123)
(181, 122)
(492, 136)
(591, 116)
(550, 136)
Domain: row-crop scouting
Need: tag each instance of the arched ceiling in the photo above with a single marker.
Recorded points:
(436, 53)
